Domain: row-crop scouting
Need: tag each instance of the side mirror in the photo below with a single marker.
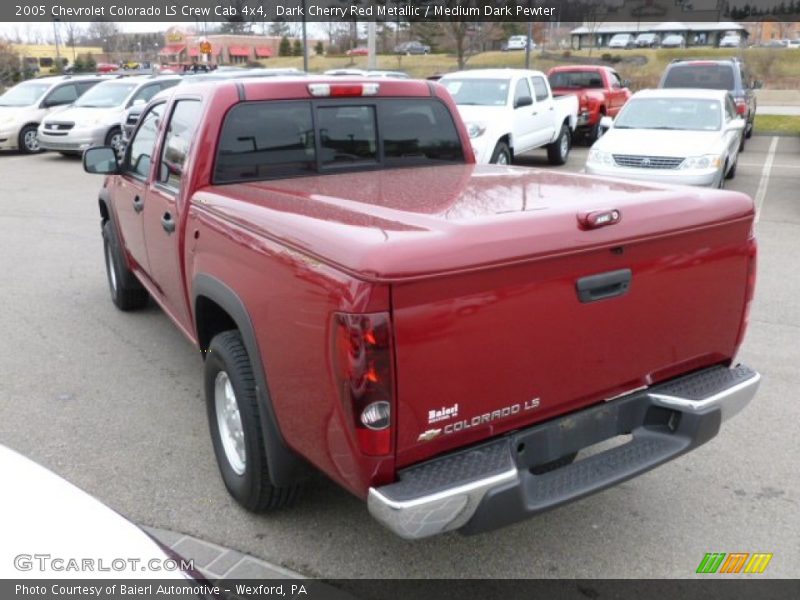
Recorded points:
(606, 123)
(626, 83)
(100, 160)
(757, 84)
(523, 101)
(736, 124)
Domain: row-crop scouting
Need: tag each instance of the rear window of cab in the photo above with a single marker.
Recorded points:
(277, 139)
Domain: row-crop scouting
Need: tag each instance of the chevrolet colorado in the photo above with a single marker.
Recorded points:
(441, 338)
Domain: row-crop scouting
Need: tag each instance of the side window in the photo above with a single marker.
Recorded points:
(730, 109)
(168, 83)
(616, 82)
(140, 150)
(65, 94)
(84, 86)
(145, 93)
(522, 90)
(540, 88)
(180, 132)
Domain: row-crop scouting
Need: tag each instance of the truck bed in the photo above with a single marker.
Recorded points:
(483, 265)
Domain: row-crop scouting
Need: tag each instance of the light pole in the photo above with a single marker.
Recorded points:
(58, 54)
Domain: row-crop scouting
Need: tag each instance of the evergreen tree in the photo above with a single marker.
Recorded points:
(285, 48)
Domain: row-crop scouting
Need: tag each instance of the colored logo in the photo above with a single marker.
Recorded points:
(735, 562)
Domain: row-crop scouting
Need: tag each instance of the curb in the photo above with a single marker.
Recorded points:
(218, 563)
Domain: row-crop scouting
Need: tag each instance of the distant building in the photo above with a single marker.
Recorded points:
(42, 57)
(181, 46)
(695, 34)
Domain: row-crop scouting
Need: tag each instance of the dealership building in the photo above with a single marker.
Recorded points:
(182, 46)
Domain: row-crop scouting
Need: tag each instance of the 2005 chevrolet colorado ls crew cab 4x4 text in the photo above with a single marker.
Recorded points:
(441, 338)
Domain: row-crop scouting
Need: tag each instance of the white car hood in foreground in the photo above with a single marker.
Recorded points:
(656, 142)
(40, 513)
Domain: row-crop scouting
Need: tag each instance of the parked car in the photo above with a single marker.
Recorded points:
(375, 340)
(23, 107)
(730, 40)
(600, 91)
(106, 67)
(729, 74)
(622, 40)
(673, 40)
(647, 40)
(54, 530)
(412, 47)
(390, 74)
(672, 136)
(95, 118)
(519, 42)
(346, 72)
(358, 51)
(793, 43)
(512, 111)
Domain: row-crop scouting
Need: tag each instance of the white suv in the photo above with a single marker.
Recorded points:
(24, 106)
(94, 120)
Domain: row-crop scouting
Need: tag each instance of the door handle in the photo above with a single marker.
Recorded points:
(603, 285)
(551, 108)
(534, 113)
(168, 223)
(138, 204)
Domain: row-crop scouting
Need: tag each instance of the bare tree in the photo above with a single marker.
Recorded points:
(469, 38)
(73, 33)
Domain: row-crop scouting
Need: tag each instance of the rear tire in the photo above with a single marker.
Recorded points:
(233, 418)
(501, 154)
(558, 151)
(741, 143)
(127, 293)
(748, 130)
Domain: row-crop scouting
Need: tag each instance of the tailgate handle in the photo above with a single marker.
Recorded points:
(603, 285)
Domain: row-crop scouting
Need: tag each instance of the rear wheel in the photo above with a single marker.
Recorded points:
(28, 142)
(748, 130)
(127, 293)
(501, 154)
(741, 143)
(233, 418)
(558, 151)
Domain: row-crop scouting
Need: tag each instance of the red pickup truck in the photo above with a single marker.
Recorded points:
(438, 337)
(600, 90)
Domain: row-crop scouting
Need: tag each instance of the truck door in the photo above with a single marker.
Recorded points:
(166, 200)
(129, 197)
(525, 121)
(616, 95)
(544, 111)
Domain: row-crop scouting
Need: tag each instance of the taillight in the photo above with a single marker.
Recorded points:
(741, 106)
(362, 356)
(752, 254)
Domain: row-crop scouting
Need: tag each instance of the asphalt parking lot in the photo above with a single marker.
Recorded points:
(112, 402)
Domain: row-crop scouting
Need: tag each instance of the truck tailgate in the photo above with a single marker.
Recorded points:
(492, 350)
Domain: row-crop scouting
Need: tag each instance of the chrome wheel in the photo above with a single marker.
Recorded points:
(564, 146)
(502, 159)
(112, 272)
(229, 423)
(31, 141)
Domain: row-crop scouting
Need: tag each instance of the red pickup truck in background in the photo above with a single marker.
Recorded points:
(440, 338)
(600, 90)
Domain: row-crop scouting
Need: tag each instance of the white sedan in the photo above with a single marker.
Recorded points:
(671, 136)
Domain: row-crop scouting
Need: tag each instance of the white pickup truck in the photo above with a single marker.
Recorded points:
(511, 111)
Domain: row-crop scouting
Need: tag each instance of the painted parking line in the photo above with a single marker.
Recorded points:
(774, 165)
(761, 192)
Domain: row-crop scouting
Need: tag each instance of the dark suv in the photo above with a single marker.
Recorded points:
(724, 74)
